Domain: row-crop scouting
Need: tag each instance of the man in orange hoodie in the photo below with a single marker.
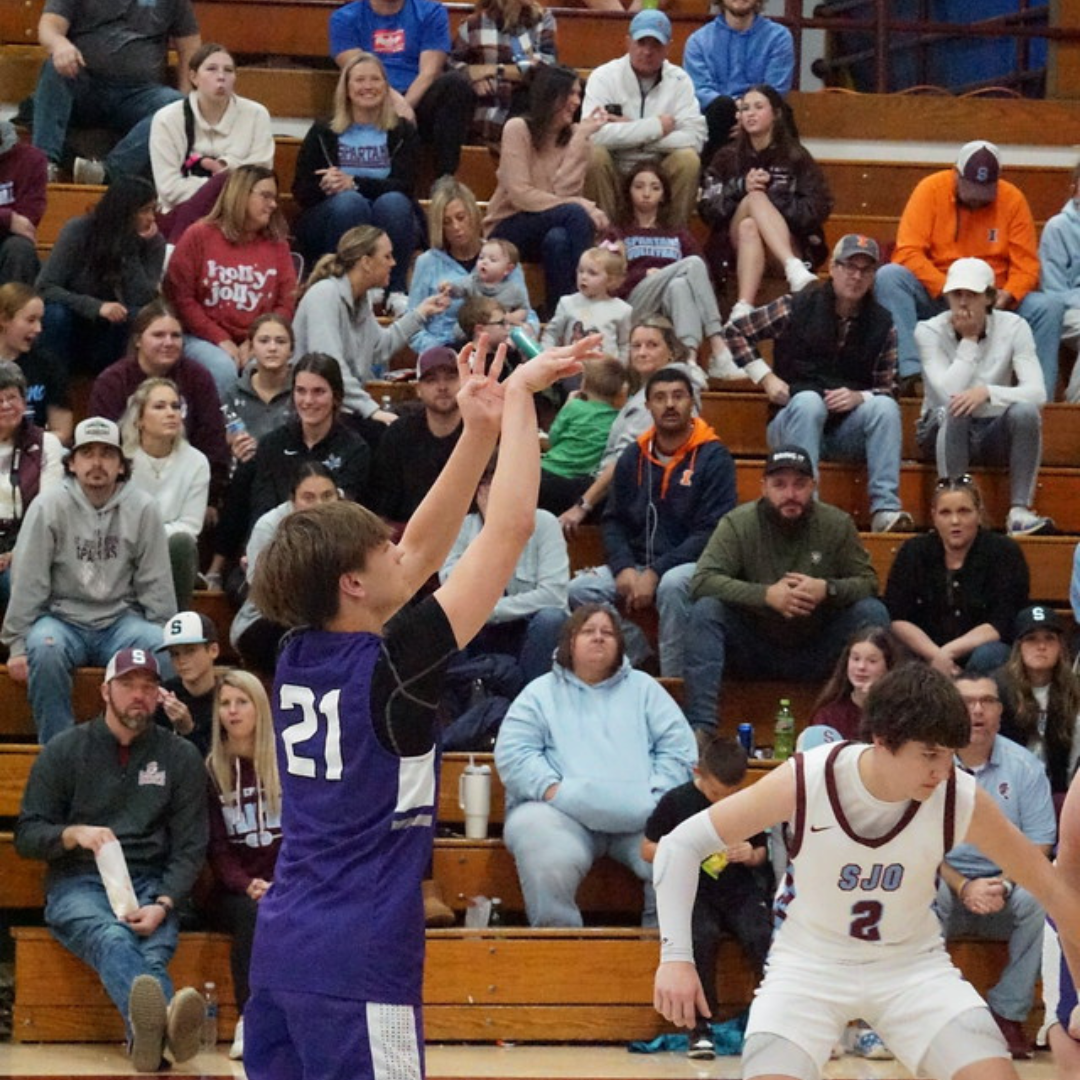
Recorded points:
(967, 211)
(670, 489)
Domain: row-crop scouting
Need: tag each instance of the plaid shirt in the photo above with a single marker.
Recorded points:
(770, 322)
(480, 41)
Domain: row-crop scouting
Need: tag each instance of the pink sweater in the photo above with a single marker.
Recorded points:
(536, 180)
(220, 288)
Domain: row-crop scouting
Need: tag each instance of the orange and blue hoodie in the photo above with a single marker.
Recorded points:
(660, 514)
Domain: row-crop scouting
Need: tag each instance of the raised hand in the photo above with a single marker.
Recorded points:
(480, 398)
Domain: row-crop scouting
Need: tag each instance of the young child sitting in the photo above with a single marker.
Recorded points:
(579, 435)
(731, 895)
(594, 309)
(186, 701)
(491, 277)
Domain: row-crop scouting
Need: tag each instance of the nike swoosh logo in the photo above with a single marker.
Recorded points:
(819, 828)
(291, 453)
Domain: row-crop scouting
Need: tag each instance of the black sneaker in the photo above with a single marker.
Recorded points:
(701, 1045)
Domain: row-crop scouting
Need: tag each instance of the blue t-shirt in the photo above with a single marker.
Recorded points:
(357, 749)
(363, 151)
(397, 40)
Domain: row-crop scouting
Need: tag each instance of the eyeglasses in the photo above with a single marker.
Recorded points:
(854, 270)
(988, 701)
(951, 483)
(495, 322)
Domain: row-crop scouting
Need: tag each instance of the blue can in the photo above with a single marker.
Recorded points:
(746, 737)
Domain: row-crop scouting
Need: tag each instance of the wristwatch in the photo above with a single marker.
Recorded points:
(830, 589)
(585, 504)
(499, 70)
(166, 903)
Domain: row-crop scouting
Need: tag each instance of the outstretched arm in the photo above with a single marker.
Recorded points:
(476, 583)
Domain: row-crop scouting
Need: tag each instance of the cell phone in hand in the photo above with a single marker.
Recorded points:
(613, 110)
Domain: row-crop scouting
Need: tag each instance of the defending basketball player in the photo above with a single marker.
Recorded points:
(858, 936)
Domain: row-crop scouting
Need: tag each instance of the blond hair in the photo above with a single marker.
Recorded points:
(133, 413)
(229, 213)
(221, 761)
(612, 262)
(343, 114)
(445, 192)
(355, 244)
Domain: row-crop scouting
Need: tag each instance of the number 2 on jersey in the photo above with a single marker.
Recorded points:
(307, 727)
(866, 920)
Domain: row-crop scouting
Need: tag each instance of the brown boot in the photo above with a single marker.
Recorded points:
(436, 911)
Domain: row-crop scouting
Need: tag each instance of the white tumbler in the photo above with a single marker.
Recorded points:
(474, 797)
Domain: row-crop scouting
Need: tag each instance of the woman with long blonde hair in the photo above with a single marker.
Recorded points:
(168, 468)
(245, 818)
(360, 168)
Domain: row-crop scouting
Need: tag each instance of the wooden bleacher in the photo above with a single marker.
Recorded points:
(513, 983)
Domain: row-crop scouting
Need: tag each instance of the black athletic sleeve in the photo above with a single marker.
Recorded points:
(408, 677)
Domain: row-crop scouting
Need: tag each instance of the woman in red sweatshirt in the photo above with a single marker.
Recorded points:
(229, 269)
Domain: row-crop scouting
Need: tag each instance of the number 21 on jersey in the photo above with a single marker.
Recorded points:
(315, 718)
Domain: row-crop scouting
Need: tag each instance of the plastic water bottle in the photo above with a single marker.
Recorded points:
(386, 403)
(496, 916)
(234, 423)
(210, 1021)
(784, 732)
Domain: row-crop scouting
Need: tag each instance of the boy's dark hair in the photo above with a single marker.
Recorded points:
(475, 311)
(297, 575)
(915, 703)
(668, 375)
(604, 378)
(722, 758)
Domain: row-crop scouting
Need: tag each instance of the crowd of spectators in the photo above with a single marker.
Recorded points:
(233, 387)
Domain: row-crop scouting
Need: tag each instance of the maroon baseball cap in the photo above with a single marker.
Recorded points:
(438, 356)
(128, 660)
(979, 166)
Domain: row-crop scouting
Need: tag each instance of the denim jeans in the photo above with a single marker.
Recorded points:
(1013, 438)
(54, 649)
(216, 360)
(77, 912)
(718, 634)
(1020, 923)
(90, 101)
(556, 238)
(321, 227)
(870, 433)
(899, 290)
(88, 345)
(597, 586)
(553, 853)
(532, 640)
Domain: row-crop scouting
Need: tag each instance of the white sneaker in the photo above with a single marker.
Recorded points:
(797, 274)
(722, 366)
(889, 521)
(236, 1051)
(1025, 522)
(88, 171)
(397, 303)
(739, 309)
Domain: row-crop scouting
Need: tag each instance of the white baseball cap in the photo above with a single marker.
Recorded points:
(975, 275)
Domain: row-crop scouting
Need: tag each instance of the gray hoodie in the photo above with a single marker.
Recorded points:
(88, 566)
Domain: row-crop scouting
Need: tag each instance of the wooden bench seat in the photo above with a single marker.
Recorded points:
(511, 984)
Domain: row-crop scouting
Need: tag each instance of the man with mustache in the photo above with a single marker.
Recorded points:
(669, 490)
(122, 778)
(89, 575)
(780, 587)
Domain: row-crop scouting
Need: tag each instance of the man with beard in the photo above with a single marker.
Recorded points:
(669, 490)
(89, 575)
(781, 586)
(413, 451)
(121, 778)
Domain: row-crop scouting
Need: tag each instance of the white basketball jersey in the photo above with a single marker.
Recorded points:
(854, 895)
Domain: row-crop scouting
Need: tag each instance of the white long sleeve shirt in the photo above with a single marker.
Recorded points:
(1003, 360)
